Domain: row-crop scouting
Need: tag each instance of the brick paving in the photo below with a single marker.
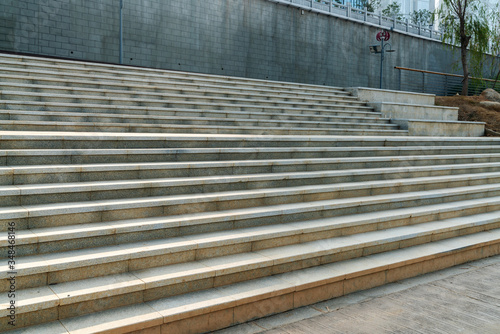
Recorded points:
(462, 299)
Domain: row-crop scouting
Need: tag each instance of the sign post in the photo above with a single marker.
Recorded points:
(382, 36)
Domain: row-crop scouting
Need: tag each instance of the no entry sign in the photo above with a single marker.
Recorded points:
(383, 35)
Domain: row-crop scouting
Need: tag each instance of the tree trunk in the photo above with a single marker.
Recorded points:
(496, 79)
(465, 67)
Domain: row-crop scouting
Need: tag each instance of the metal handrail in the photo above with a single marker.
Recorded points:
(423, 81)
(330, 7)
(439, 73)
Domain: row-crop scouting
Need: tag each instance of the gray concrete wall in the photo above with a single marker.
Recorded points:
(251, 38)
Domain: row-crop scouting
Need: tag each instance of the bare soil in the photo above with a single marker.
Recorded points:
(470, 110)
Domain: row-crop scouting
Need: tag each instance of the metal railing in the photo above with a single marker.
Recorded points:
(331, 7)
(441, 84)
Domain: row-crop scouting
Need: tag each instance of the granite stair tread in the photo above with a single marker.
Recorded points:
(294, 182)
(335, 129)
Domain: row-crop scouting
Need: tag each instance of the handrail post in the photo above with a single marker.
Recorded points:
(399, 77)
(365, 14)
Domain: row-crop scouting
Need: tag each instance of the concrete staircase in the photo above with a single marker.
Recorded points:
(150, 201)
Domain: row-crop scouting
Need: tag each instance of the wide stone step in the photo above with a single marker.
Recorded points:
(154, 200)
(245, 301)
(214, 275)
(318, 225)
(21, 100)
(352, 169)
(281, 120)
(256, 113)
(185, 109)
(161, 86)
(62, 214)
(20, 157)
(99, 140)
(173, 93)
(329, 182)
(177, 101)
(336, 128)
(56, 71)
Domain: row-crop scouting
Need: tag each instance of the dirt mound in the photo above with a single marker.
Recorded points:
(472, 110)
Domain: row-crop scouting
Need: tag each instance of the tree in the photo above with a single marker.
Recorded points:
(370, 5)
(466, 22)
(422, 16)
(393, 10)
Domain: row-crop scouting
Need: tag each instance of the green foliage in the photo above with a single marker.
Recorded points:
(467, 25)
(422, 16)
(370, 5)
(393, 10)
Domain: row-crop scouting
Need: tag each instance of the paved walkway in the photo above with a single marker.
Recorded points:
(462, 299)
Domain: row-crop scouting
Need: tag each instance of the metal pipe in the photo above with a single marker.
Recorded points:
(121, 31)
(381, 61)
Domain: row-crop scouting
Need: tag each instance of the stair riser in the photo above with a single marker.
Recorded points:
(62, 158)
(79, 105)
(52, 174)
(196, 187)
(145, 294)
(325, 143)
(362, 129)
(16, 178)
(229, 116)
(154, 119)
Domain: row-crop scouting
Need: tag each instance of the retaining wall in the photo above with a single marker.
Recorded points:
(249, 38)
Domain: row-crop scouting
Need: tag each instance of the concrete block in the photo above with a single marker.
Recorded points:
(383, 95)
(415, 111)
(445, 128)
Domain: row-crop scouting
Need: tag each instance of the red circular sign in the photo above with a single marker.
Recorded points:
(383, 35)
